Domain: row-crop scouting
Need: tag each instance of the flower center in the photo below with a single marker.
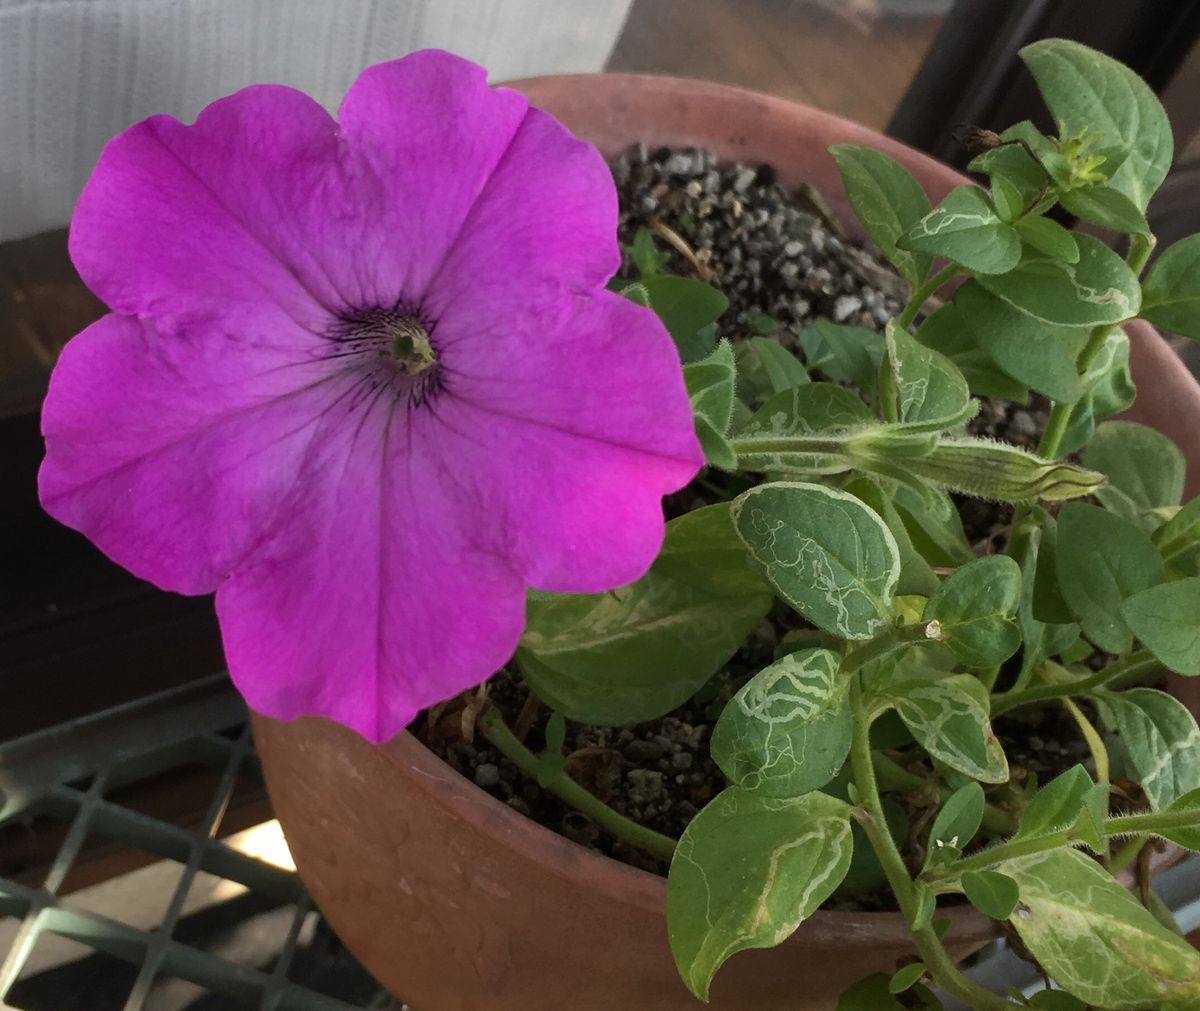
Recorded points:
(393, 344)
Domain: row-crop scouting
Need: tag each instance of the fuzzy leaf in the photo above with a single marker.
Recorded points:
(946, 331)
(950, 720)
(975, 608)
(887, 200)
(1172, 289)
(1057, 805)
(781, 369)
(1049, 237)
(710, 385)
(1041, 358)
(1161, 740)
(747, 872)
(787, 730)
(641, 650)
(955, 825)
(992, 893)
(1088, 92)
(1140, 463)
(843, 353)
(1097, 290)
(931, 394)
(1188, 838)
(686, 307)
(1096, 939)
(966, 228)
(1103, 560)
(826, 554)
(1106, 207)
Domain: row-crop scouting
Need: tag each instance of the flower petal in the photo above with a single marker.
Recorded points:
(174, 454)
(545, 224)
(263, 212)
(375, 602)
(573, 423)
(431, 132)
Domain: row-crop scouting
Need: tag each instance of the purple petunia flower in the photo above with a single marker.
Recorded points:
(362, 379)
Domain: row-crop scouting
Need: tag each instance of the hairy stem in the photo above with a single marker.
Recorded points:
(941, 967)
(922, 294)
(1151, 823)
(493, 727)
(1127, 668)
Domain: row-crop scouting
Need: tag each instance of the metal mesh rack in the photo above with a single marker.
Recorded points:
(72, 784)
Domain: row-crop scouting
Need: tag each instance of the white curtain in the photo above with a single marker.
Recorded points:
(75, 72)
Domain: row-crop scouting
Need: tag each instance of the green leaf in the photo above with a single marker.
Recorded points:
(965, 228)
(1103, 560)
(1014, 162)
(1088, 92)
(1096, 939)
(934, 525)
(787, 730)
(975, 608)
(1042, 639)
(1056, 1000)
(926, 905)
(955, 825)
(1049, 238)
(780, 367)
(916, 575)
(641, 650)
(1024, 348)
(872, 994)
(686, 307)
(1160, 738)
(826, 554)
(1106, 207)
(992, 893)
(843, 353)
(1057, 805)
(1179, 540)
(1107, 380)
(1172, 290)
(710, 385)
(887, 200)
(646, 256)
(1049, 605)
(946, 332)
(950, 720)
(1006, 198)
(747, 872)
(904, 979)
(1099, 289)
(1141, 463)
(551, 762)
(931, 394)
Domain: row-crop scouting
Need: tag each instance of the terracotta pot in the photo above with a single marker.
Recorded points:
(457, 903)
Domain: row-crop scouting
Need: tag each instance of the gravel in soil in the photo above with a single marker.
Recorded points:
(778, 254)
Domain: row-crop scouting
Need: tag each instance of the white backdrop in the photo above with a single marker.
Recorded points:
(75, 72)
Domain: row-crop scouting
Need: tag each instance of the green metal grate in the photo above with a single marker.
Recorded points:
(69, 774)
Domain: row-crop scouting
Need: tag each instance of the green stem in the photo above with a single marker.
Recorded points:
(776, 445)
(1128, 668)
(941, 967)
(493, 727)
(1152, 823)
(1140, 248)
(921, 632)
(922, 294)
